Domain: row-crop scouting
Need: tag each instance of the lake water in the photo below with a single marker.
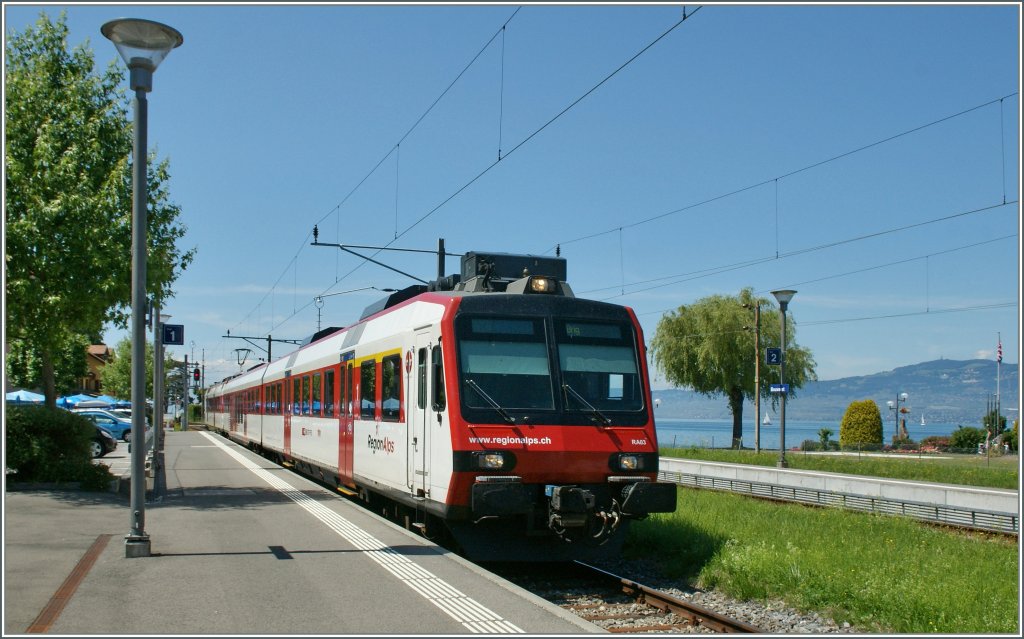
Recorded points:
(717, 433)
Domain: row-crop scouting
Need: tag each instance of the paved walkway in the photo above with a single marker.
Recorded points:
(242, 546)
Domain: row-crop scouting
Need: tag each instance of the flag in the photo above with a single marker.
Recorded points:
(999, 351)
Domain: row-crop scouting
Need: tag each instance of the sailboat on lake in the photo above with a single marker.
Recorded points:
(922, 419)
(767, 419)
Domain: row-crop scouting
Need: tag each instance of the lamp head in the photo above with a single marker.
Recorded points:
(143, 45)
(783, 297)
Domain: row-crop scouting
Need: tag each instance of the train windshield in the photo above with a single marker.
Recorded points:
(504, 364)
(587, 370)
(599, 366)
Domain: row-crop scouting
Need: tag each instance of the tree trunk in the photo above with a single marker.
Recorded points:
(736, 406)
(49, 380)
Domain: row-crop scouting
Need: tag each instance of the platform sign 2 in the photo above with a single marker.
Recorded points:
(173, 334)
(773, 356)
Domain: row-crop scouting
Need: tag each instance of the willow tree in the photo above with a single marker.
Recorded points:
(68, 199)
(708, 346)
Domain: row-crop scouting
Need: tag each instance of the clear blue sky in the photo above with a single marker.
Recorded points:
(693, 171)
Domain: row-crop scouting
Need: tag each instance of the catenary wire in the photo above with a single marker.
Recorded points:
(737, 265)
(487, 169)
(391, 150)
(784, 175)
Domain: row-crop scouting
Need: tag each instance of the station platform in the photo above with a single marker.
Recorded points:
(241, 546)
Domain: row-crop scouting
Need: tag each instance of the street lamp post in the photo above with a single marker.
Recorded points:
(895, 407)
(159, 478)
(757, 374)
(783, 297)
(143, 44)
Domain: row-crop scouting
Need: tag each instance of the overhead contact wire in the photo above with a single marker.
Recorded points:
(791, 173)
(524, 141)
(379, 163)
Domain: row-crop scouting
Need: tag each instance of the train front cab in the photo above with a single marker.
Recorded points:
(554, 445)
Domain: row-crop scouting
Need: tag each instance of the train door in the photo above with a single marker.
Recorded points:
(345, 427)
(288, 399)
(418, 410)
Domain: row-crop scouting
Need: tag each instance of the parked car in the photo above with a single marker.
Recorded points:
(118, 426)
(103, 442)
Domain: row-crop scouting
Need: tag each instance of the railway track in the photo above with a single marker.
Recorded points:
(618, 604)
(691, 614)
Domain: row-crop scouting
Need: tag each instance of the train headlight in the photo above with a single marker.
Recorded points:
(543, 285)
(629, 462)
(494, 460)
(633, 462)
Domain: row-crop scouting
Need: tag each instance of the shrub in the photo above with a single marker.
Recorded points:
(862, 424)
(1011, 437)
(937, 442)
(45, 445)
(810, 444)
(966, 437)
(903, 443)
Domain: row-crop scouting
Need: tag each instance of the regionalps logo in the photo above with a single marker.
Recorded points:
(385, 445)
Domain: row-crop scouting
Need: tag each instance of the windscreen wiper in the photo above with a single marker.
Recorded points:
(501, 411)
(598, 415)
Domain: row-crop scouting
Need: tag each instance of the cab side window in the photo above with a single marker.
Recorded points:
(437, 383)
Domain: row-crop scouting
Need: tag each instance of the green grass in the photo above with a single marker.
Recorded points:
(970, 470)
(879, 573)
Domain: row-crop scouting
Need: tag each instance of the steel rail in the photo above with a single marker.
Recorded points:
(696, 615)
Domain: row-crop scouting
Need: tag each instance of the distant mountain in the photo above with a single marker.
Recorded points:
(944, 390)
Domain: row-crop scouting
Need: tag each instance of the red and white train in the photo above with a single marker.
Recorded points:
(493, 409)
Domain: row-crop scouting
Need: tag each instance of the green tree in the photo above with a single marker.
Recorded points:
(994, 423)
(116, 376)
(24, 364)
(862, 424)
(823, 437)
(68, 199)
(709, 346)
(966, 438)
(1012, 436)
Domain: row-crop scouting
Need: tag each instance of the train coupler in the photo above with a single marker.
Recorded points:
(570, 507)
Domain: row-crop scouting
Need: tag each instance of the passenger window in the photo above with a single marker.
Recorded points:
(343, 391)
(329, 393)
(317, 393)
(305, 394)
(391, 393)
(421, 378)
(296, 395)
(368, 389)
(349, 395)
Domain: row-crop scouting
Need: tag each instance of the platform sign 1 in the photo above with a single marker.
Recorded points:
(780, 388)
(173, 334)
(773, 356)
